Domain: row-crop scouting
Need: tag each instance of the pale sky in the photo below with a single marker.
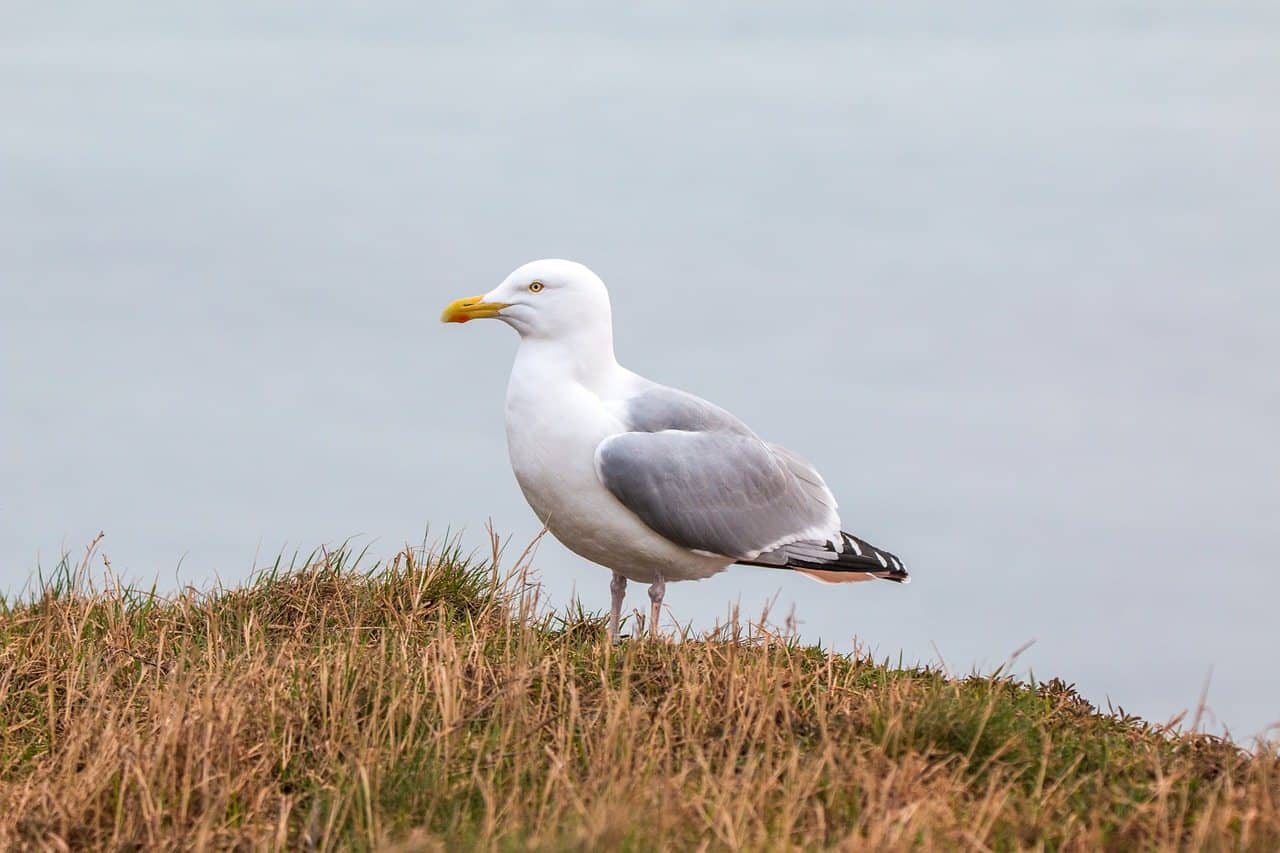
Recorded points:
(1008, 276)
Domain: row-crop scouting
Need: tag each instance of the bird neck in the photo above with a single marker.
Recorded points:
(585, 355)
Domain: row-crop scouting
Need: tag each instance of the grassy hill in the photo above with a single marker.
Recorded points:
(426, 704)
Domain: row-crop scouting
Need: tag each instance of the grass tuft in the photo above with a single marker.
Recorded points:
(427, 703)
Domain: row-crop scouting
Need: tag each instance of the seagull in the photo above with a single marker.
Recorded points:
(648, 481)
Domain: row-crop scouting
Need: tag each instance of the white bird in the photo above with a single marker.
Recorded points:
(651, 482)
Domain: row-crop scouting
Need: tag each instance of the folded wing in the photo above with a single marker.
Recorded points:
(699, 477)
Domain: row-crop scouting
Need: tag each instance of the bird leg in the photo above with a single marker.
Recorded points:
(656, 590)
(617, 589)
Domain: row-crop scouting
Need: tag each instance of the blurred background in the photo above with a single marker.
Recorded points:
(1008, 275)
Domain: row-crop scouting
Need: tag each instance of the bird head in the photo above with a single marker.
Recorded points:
(542, 299)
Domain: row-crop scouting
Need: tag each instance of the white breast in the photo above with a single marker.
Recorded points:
(554, 424)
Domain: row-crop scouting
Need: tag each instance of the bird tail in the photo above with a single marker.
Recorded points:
(857, 560)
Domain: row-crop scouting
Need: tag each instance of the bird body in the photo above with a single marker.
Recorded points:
(646, 480)
(556, 419)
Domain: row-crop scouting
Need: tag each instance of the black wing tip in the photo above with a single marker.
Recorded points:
(856, 557)
(891, 566)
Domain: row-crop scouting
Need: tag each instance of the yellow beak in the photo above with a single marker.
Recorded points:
(470, 308)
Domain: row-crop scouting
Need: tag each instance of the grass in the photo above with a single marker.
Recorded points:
(427, 703)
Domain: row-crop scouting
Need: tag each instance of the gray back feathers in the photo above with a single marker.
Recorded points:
(699, 477)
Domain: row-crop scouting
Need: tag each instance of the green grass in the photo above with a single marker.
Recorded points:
(428, 703)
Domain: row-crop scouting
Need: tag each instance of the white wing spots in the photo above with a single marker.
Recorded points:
(880, 557)
(856, 548)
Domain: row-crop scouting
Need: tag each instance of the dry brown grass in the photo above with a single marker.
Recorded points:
(423, 705)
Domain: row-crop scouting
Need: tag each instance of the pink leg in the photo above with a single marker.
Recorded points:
(617, 589)
(656, 590)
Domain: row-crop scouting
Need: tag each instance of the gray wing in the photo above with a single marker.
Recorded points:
(698, 476)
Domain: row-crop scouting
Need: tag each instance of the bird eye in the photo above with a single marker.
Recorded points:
(536, 286)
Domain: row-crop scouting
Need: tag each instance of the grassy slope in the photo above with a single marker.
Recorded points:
(421, 706)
